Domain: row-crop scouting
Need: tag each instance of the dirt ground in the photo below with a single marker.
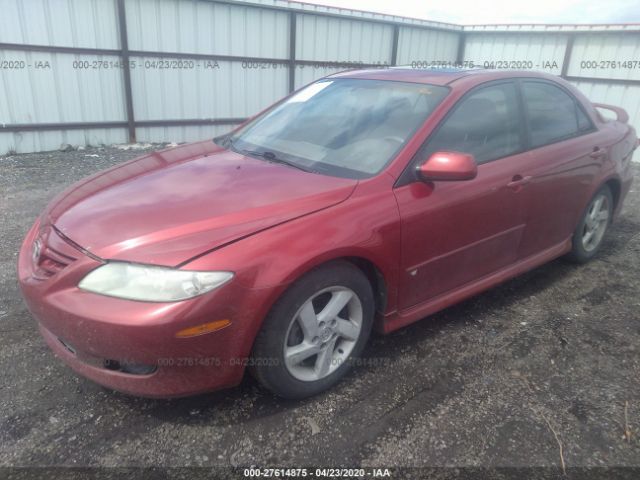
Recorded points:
(544, 364)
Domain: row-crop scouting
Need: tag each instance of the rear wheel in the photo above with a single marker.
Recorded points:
(315, 330)
(595, 221)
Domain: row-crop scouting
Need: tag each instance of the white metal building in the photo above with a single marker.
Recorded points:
(113, 71)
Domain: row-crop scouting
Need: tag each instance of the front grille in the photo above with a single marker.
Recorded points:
(51, 261)
(54, 254)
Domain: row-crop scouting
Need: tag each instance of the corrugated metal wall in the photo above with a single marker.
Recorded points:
(66, 23)
(333, 39)
(422, 45)
(197, 67)
(44, 87)
(527, 50)
(192, 26)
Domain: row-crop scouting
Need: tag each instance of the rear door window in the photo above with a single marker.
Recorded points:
(553, 114)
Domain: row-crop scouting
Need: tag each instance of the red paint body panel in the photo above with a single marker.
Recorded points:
(200, 207)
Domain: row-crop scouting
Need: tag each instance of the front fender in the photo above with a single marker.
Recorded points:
(366, 226)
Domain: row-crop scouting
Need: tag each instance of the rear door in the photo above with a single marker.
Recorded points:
(567, 152)
(459, 231)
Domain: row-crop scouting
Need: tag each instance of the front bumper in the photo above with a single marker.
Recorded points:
(92, 333)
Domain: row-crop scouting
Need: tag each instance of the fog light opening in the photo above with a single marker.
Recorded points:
(111, 364)
(129, 368)
(138, 369)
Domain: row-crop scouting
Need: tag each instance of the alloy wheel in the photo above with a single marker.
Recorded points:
(596, 222)
(322, 333)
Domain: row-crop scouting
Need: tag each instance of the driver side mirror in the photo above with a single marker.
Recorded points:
(448, 166)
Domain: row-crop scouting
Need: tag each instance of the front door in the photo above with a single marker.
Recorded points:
(456, 232)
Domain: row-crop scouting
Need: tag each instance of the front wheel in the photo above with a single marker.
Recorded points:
(595, 221)
(314, 332)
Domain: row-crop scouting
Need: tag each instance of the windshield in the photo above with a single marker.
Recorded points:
(344, 127)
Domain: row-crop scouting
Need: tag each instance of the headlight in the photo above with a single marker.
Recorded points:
(150, 283)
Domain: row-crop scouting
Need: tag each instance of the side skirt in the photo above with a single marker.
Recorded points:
(399, 319)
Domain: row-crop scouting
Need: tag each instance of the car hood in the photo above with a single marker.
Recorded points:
(169, 206)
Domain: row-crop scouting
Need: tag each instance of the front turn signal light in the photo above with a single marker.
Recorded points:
(204, 328)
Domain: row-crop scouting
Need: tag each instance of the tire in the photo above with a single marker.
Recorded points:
(588, 235)
(303, 348)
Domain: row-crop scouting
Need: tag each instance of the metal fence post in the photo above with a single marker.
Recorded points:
(461, 45)
(292, 51)
(567, 56)
(394, 45)
(124, 54)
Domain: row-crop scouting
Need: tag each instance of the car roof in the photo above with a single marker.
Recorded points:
(437, 75)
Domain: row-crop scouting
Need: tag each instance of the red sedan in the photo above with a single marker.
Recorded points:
(368, 198)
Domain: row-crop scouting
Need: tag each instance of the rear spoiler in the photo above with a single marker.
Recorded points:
(621, 114)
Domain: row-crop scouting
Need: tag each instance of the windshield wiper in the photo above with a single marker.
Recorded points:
(272, 157)
(229, 142)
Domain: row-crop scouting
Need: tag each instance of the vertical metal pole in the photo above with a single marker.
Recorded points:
(394, 45)
(124, 54)
(292, 51)
(461, 44)
(567, 56)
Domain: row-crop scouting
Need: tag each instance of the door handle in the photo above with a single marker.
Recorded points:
(518, 181)
(597, 153)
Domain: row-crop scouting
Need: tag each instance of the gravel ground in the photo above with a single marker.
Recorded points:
(548, 359)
